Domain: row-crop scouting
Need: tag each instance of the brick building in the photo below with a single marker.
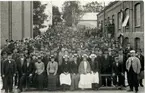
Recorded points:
(16, 20)
(127, 19)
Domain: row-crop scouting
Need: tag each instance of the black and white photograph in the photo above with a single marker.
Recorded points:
(72, 46)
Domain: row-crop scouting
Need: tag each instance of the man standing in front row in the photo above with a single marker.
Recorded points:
(9, 70)
(133, 67)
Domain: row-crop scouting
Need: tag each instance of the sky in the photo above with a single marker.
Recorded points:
(59, 3)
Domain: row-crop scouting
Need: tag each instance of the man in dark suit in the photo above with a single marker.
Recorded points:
(141, 58)
(4, 57)
(20, 63)
(9, 70)
(27, 71)
(117, 70)
(106, 68)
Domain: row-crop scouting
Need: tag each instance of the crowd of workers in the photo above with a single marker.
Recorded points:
(27, 63)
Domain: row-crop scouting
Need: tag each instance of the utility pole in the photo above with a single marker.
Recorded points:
(104, 21)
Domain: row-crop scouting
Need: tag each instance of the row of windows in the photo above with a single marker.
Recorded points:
(137, 42)
(123, 17)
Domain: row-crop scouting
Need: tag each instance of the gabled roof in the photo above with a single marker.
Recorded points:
(89, 16)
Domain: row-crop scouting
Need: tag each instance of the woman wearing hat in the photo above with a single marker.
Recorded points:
(65, 77)
(52, 68)
(74, 72)
(84, 71)
(95, 67)
(39, 66)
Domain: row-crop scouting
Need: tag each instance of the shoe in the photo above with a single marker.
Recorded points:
(129, 90)
(136, 91)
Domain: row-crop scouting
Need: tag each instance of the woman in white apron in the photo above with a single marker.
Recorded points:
(85, 73)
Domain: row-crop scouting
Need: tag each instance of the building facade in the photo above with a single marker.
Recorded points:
(16, 20)
(127, 18)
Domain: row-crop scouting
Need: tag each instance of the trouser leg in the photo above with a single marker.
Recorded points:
(3, 81)
(130, 80)
(108, 81)
(6, 84)
(104, 80)
(22, 82)
(135, 81)
(114, 80)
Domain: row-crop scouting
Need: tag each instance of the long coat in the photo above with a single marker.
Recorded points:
(135, 64)
(82, 68)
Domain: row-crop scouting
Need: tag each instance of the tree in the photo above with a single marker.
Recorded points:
(93, 7)
(56, 15)
(72, 12)
(38, 17)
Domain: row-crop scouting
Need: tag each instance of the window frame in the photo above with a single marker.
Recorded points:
(135, 15)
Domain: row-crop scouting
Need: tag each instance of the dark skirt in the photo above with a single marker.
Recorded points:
(52, 81)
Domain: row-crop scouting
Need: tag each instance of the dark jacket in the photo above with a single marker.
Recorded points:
(74, 67)
(141, 58)
(94, 65)
(106, 65)
(9, 68)
(65, 67)
(117, 69)
(19, 65)
(27, 69)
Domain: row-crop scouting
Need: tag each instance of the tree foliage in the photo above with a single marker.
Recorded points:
(56, 15)
(93, 7)
(72, 12)
(38, 17)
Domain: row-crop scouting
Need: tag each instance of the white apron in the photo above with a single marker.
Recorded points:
(65, 79)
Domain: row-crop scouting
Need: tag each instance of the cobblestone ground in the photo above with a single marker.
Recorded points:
(101, 90)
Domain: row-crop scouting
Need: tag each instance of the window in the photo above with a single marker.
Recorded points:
(126, 41)
(119, 20)
(137, 43)
(112, 19)
(137, 15)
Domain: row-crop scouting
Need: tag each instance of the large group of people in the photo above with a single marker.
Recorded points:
(26, 63)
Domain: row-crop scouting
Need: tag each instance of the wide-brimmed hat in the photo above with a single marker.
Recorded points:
(52, 56)
(132, 51)
(93, 56)
(75, 55)
(84, 55)
(65, 56)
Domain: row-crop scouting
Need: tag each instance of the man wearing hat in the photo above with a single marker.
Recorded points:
(4, 57)
(52, 68)
(133, 67)
(106, 68)
(117, 73)
(27, 71)
(9, 70)
(141, 58)
(39, 66)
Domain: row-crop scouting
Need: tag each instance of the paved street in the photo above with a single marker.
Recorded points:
(101, 90)
(89, 91)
